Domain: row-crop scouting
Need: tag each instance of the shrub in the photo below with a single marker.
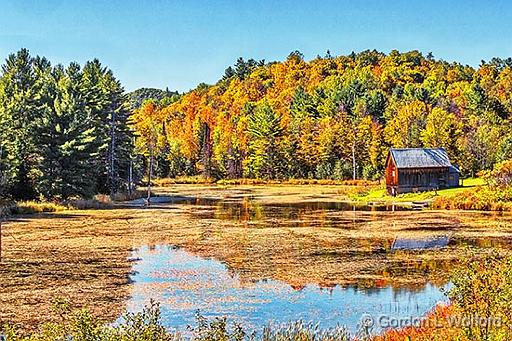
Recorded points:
(81, 326)
(34, 207)
(125, 196)
(429, 331)
(483, 289)
(243, 181)
(301, 331)
(162, 182)
(324, 171)
(146, 326)
(217, 329)
(30, 207)
(501, 175)
(481, 298)
(297, 182)
(100, 201)
(480, 198)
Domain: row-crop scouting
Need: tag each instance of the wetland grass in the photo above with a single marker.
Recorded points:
(83, 255)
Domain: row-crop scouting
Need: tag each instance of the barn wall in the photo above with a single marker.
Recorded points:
(391, 176)
(453, 179)
(422, 179)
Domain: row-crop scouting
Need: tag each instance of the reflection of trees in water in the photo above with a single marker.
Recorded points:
(318, 214)
(304, 214)
(303, 261)
(366, 286)
(271, 246)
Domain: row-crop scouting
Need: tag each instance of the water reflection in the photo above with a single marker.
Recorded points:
(183, 283)
(332, 243)
(286, 261)
(353, 216)
(299, 214)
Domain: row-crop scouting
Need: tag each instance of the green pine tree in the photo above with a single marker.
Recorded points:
(68, 140)
(20, 107)
(264, 131)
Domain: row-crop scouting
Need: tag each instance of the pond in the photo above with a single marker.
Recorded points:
(325, 262)
(184, 283)
(251, 259)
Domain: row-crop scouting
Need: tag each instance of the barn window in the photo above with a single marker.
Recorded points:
(393, 173)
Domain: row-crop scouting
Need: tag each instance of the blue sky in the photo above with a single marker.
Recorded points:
(178, 44)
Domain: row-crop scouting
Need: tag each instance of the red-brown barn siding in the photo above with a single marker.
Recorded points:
(421, 178)
(391, 176)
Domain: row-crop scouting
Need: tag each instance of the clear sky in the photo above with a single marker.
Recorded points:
(178, 44)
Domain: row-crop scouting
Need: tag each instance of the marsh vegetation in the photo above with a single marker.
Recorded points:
(289, 234)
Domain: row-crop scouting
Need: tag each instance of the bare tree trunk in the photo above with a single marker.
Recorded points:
(111, 170)
(354, 167)
(2, 213)
(1, 218)
(207, 152)
(130, 177)
(1, 208)
(231, 164)
(1, 166)
(150, 174)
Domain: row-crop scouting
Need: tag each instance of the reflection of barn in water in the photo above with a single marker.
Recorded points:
(419, 169)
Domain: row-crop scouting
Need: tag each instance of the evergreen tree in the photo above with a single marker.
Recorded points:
(64, 131)
(68, 140)
(109, 113)
(264, 131)
(119, 136)
(20, 108)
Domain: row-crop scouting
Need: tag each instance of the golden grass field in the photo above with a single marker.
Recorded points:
(82, 256)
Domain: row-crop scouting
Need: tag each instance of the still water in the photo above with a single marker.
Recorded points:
(331, 238)
(184, 283)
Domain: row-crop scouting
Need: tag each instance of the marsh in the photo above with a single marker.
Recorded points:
(255, 245)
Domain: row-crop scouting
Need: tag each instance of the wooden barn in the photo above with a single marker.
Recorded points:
(419, 169)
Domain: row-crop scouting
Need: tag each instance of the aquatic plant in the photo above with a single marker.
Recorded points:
(146, 326)
(302, 331)
(480, 306)
(82, 326)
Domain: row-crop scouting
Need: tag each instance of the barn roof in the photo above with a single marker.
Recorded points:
(420, 158)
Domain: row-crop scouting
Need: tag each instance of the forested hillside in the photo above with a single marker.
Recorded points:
(67, 131)
(331, 117)
(137, 97)
(63, 129)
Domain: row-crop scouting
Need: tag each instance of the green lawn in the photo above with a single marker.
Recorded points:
(380, 194)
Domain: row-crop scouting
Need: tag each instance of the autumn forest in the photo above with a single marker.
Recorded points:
(72, 131)
(332, 117)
